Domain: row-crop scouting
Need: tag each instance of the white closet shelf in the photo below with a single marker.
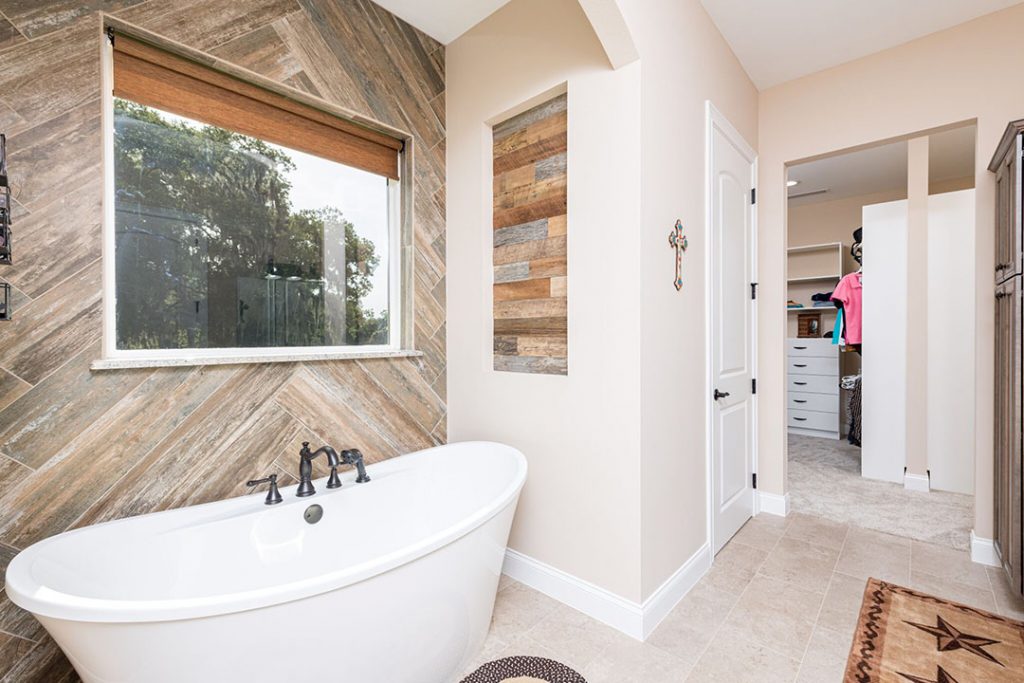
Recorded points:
(807, 309)
(815, 278)
(816, 247)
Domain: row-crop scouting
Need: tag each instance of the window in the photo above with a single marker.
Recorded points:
(243, 219)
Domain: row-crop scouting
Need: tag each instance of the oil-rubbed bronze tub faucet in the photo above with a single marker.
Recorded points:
(348, 457)
(273, 495)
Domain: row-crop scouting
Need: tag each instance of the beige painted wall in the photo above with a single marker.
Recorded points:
(955, 75)
(580, 510)
(616, 492)
(833, 221)
(685, 62)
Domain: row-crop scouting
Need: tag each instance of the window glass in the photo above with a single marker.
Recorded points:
(223, 240)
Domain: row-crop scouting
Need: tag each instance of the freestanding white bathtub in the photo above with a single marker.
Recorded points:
(395, 584)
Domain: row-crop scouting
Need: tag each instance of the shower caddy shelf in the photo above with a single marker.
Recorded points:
(5, 229)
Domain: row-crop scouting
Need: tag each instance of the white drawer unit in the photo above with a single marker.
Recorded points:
(816, 403)
(812, 381)
(815, 384)
(805, 419)
(806, 365)
(815, 348)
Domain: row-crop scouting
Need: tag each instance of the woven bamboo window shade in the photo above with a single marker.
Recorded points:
(154, 77)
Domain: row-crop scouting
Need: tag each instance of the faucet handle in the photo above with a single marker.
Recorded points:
(273, 495)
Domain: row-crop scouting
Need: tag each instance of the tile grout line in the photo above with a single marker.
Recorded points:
(817, 617)
(4, 456)
(388, 439)
(142, 456)
(992, 589)
(15, 635)
(373, 379)
(15, 27)
(732, 609)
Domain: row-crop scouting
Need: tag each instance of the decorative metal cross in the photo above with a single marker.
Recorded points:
(677, 240)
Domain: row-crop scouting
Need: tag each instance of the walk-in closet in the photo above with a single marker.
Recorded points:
(880, 309)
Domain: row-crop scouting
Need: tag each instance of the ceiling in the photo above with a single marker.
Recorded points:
(779, 40)
(882, 168)
(444, 20)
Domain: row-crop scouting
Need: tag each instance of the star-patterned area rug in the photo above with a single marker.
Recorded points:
(524, 670)
(904, 636)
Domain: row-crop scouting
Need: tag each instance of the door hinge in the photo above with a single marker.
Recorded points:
(754, 479)
(753, 386)
(753, 291)
(753, 195)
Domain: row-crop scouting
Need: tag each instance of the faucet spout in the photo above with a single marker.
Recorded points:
(306, 458)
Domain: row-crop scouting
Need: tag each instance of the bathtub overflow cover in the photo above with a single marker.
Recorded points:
(313, 514)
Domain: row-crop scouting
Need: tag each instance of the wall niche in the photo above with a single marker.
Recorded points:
(529, 224)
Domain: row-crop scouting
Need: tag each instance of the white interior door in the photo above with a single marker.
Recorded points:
(732, 179)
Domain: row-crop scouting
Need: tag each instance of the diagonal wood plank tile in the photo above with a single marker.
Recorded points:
(52, 75)
(164, 475)
(56, 157)
(69, 224)
(38, 426)
(351, 386)
(46, 333)
(407, 387)
(42, 505)
(206, 24)
(44, 663)
(36, 18)
(263, 52)
(270, 434)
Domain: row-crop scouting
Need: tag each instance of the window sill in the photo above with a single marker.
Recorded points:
(129, 363)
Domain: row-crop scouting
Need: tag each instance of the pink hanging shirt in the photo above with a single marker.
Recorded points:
(849, 293)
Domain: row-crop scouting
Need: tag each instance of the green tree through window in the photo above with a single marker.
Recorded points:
(211, 253)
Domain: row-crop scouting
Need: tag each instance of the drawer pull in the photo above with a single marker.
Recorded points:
(800, 348)
(800, 419)
(800, 384)
(799, 365)
(797, 400)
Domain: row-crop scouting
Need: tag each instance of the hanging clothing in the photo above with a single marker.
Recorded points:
(850, 293)
(837, 331)
(853, 408)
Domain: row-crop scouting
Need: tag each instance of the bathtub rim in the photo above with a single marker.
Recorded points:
(25, 591)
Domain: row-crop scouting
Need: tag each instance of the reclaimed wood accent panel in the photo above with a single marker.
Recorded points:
(78, 447)
(531, 326)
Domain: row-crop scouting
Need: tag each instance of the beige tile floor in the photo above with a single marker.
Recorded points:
(779, 604)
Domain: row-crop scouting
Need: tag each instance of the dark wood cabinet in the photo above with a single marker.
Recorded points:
(1008, 442)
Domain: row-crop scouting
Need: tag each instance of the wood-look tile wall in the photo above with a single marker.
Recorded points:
(530, 303)
(78, 447)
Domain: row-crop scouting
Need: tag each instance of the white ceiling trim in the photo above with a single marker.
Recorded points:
(779, 40)
(443, 20)
(446, 20)
(612, 31)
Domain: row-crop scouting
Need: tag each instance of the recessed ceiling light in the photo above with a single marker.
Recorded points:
(792, 183)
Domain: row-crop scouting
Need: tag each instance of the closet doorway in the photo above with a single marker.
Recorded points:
(880, 333)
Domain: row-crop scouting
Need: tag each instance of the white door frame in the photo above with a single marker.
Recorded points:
(715, 119)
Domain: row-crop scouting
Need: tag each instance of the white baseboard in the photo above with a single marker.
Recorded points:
(773, 503)
(916, 482)
(634, 619)
(662, 601)
(983, 551)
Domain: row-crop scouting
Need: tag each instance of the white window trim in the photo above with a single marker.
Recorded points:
(114, 358)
